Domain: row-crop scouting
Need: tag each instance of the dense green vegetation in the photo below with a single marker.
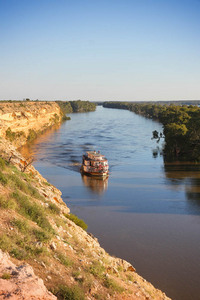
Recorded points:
(77, 221)
(68, 107)
(82, 106)
(10, 135)
(181, 127)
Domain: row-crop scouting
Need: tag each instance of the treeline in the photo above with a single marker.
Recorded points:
(181, 127)
(68, 107)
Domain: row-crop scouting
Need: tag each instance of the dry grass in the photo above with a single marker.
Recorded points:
(36, 231)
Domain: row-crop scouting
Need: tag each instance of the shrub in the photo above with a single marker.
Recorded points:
(129, 277)
(17, 182)
(97, 269)
(64, 259)
(69, 293)
(54, 208)
(41, 236)
(2, 163)
(5, 243)
(24, 186)
(31, 135)
(14, 169)
(33, 211)
(22, 225)
(113, 285)
(56, 118)
(34, 192)
(66, 118)
(7, 203)
(25, 248)
(10, 135)
(37, 251)
(6, 276)
(77, 221)
(18, 253)
(21, 247)
(46, 183)
(3, 179)
(77, 276)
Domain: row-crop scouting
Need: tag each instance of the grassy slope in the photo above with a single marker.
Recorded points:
(35, 228)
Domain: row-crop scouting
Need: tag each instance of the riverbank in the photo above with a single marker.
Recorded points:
(22, 122)
(181, 128)
(35, 229)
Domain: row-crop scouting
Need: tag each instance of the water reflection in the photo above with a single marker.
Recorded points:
(185, 176)
(157, 151)
(193, 192)
(96, 185)
(31, 150)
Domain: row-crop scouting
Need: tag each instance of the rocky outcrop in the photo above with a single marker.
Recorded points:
(20, 282)
(22, 121)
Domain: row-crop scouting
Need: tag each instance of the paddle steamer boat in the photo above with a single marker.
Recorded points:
(94, 164)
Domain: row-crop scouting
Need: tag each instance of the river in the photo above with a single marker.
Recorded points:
(145, 212)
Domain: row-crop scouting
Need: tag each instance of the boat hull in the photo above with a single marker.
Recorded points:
(95, 174)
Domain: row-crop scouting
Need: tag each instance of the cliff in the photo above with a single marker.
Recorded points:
(43, 250)
(23, 121)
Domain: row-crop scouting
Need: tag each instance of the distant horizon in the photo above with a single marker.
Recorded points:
(24, 100)
(143, 50)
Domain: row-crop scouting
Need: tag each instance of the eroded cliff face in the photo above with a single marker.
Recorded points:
(22, 121)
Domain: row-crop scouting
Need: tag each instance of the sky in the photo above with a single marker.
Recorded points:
(100, 50)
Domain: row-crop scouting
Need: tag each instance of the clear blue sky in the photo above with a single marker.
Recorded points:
(100, 49)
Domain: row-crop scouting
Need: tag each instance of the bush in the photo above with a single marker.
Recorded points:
(54, 208)
(7, 203)
(6, 276)
(69, 293)
(10, 135)
(23, 186)
(33, 211)
(5, 242)
(20, 184)
(77, 221)
(22, 225)
(31, 135)
(46, 183)
(34, 192)
(3, 179)
(41, 236)
(56, 119)
(97, 269)
(2, 164)
(21, 247)
(18, 253)
(64, 260)
(66, 118)
(113, 285)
